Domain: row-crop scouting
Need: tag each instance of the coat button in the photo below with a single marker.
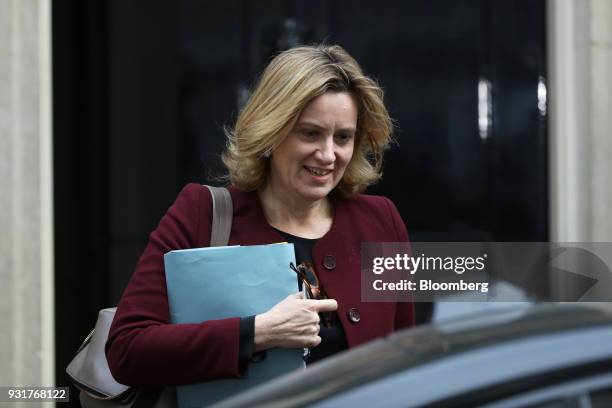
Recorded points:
(353, 315)
(329, 262)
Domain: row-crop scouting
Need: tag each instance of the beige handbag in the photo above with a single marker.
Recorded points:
(89, 369)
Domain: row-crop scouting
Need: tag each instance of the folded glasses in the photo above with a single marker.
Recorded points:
(306, 273)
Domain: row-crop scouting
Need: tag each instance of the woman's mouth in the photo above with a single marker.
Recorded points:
(317, 172)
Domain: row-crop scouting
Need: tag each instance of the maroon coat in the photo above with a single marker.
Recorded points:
(143, 349)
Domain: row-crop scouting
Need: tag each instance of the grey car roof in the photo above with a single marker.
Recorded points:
(434, 346)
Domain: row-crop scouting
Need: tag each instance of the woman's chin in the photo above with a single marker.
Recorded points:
(315, 193)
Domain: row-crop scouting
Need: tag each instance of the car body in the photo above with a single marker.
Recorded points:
(547, 355)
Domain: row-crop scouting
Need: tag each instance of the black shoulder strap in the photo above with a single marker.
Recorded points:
(222, 216)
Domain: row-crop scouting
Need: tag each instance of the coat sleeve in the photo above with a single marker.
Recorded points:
(404, 312)
(142, 347)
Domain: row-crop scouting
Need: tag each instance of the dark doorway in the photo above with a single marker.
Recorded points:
(455, 173)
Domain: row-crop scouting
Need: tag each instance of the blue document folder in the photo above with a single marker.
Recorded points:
(221, 282)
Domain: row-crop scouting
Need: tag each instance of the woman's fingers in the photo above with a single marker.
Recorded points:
(311, 329)
(294, 322)
(317, 318)
(321, 305)
(315, 342)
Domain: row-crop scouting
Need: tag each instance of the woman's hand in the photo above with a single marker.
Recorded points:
(291, 323)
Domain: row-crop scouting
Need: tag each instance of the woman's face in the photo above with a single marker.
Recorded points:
(311, 161)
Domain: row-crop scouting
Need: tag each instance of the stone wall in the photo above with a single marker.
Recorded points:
(580, 93)
(600, 117)
(26, 212)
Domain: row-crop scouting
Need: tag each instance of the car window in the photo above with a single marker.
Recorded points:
(584, 392)
(560, 403)
(598, 399)
(601, 398)
(588, 392)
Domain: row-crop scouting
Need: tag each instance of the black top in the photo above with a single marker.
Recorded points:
(332, 338)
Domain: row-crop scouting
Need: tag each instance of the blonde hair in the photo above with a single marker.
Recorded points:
(291, 80)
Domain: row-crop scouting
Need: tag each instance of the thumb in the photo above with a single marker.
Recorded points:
(298, 295)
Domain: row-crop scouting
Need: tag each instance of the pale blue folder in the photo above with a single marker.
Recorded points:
(220, 282)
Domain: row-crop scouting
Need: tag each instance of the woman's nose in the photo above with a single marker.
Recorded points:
(326, 151)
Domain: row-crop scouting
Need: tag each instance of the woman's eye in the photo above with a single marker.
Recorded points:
(311, 134)
(344, 137)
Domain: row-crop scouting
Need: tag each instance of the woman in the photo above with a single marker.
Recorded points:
(310, 139)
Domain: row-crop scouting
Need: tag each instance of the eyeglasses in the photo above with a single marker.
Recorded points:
(308, 276)
(306, 273)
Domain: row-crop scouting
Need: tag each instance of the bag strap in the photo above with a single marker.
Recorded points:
(222, 216)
